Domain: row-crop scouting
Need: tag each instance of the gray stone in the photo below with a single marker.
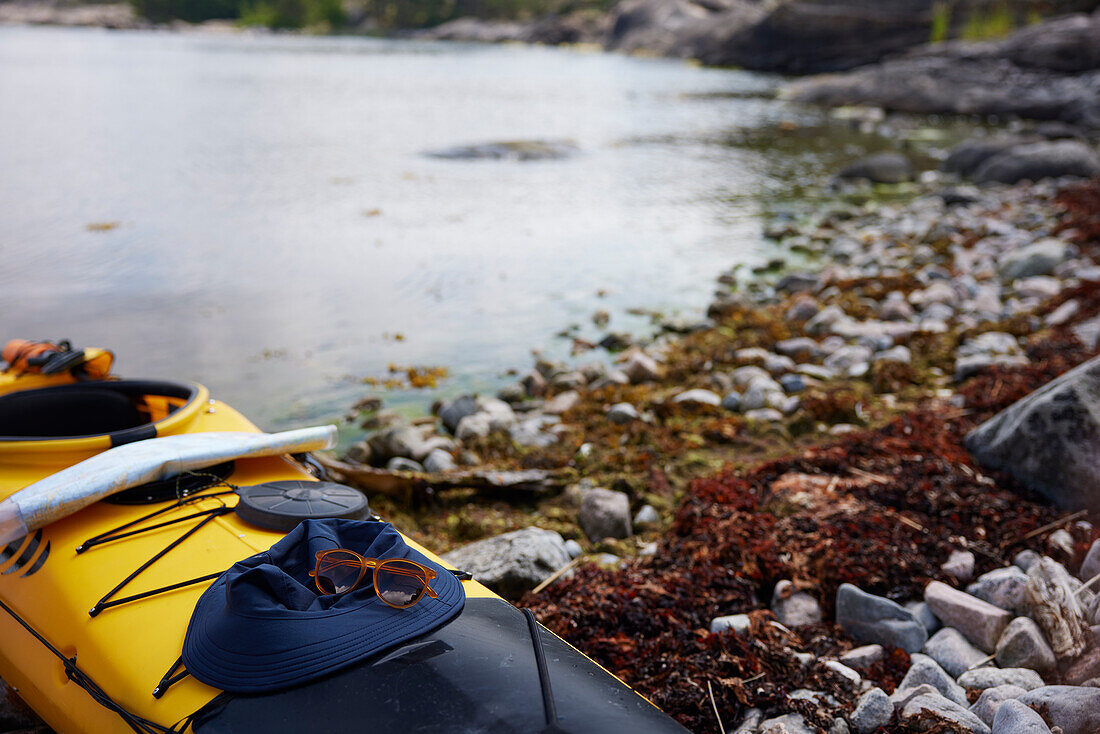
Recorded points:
(732, 401)
(474, 426)
(786, 724)
(880, 168)
(513, 150)
(698, 397)
(981, 622)
(1075, 709)
(945, 710)
(925, 670)
(1001, 587)
(739, 624)
(873, 619)
(874, 710)
(439, 460)
(851, 360)
(605, 513)
(968, 366)
(959, 564)
(985, 708)
(573, 548)
(622, 413)
(1061, 540)
(1024, 560)
(861, 657)
(453, 411)
(751, 723)
(899, 354)
(983, 678)
(404, 441)
(747, 375)
(1022, 645)
(764, 415)
(902, 696)
(794, 608)
(924, 615)
(1035, 161)
(844, 671)
(562, 403)
(640, 367)
(792, 384)
(1015, 717)
(1038, 258)
(400, 463)
(1090, 567)
(953, 651)
(801, 349)
(512, 563)
(647, 517)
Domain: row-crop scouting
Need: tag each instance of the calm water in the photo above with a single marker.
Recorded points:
(241, 171)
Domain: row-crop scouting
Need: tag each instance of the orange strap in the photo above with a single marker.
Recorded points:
(18, 351)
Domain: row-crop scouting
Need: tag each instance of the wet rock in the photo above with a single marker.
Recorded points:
(438, 461)
(874, 710)
(622, 413)
(698, 397)
(991, 700)
(514, 150)
(952, 651)
(1050, 439)
(512, 563)
(739, 624)
(874, 619)
(926, 671)
(1035, 161)
(1015, 717)
(982, 678)
(647, 518)
(944, 710)
(640, 367)
(861, 657)
(1001, 587)
(605, 513)
(981, 622)
(880, 168)
(1075, 709)
(1038, 258)
(959, 564)
(1056, 607)
(794, 608)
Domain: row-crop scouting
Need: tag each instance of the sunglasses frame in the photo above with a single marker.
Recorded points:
(376, 564)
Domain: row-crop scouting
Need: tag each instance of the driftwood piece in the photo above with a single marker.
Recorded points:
(1051, 596)
(418, 486)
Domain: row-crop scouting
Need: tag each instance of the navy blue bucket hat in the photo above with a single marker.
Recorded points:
(262, 626)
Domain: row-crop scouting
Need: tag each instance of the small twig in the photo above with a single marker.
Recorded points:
(912, 523)
(832, 485)
(869, 475)
(758, 676)
(714, 706)
(1056, 523)
(555, 576)
(983, 661)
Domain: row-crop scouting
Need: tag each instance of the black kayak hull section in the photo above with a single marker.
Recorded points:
(475, 675)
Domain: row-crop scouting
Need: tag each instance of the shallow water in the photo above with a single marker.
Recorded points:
(280, 232)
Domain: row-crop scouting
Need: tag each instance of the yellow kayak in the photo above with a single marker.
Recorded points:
(96, 604)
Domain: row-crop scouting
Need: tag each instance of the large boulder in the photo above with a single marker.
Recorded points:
(512, 563)
(1035, 161)
(1050, 440)
(678, 27)
(1070, 45)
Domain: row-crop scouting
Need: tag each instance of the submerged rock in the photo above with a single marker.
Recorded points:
(880, 168)
(515, 150)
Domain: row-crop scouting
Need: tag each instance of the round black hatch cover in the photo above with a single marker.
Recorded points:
(282, 505)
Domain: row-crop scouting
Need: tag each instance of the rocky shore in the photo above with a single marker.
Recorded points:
(853, 497)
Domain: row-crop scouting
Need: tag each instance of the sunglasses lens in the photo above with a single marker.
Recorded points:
(337, 571)
(400, 583)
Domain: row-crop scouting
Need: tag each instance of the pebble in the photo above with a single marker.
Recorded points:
(861, 657)
(739, 624)
(983, 678)
(562, 403)
(1038, 258)
(573, 548)
(698, 397)
(874, 710)
(1025, 559)
(400, 463)
(605, 513)
(952, 651)
(1015, 717)
(803, 308)
(1001, 587)
(751, 723)
(944, 709)
(844, 671)
(991, 700)
(777, 365)
(786, 724)
(1022, 645)
(792, 384)
(794, 608)
(439, 460)
(899, 354)
(473, 426)
(801, 349)
(1075, 709)
(851, 360)
(764, 415)
(874, 619)
(924, 615)
(925, 670)
(640, 367)
(622, 413)
(647, 517)
(960, 564)
(981, 622)
(747, 375)
(732, 401)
